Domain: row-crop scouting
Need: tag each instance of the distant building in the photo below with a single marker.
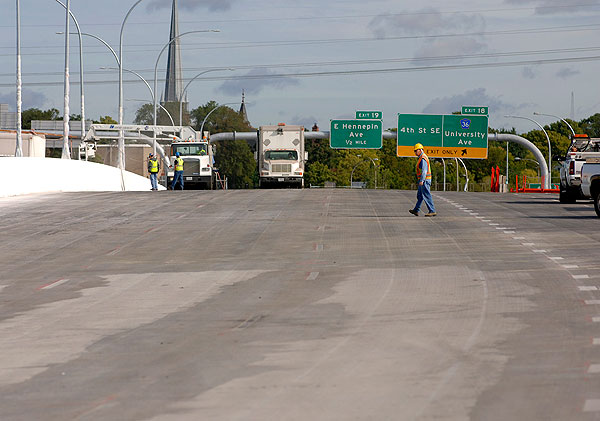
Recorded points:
(8, 119)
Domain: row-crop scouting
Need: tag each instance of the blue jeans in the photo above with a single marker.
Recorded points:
(177, 177)
(153, 180)
(424, 193)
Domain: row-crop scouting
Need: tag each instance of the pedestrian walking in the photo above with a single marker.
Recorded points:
(178, 176)
(153, 169)
(424, 179)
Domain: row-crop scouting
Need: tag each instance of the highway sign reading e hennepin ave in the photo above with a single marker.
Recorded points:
(357, 134)
(444, 136)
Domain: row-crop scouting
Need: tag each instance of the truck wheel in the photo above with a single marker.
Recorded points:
(597, 203)
(566, 196)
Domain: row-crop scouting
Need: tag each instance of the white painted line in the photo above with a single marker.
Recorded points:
(555, 258)
(591, 405)
(539, 251)
(596, 319)
(528, 244)
(2, 287)
(485, 220)
(474, 213)
(509, 232)
(596, 341)
(493, 224)
(502, 228)
(518, 238)
(53, 284)
(594, 369)
(588, 288)
(570, 266)
(480, 217)
(312, 276)
(581, 277)
(592, 302)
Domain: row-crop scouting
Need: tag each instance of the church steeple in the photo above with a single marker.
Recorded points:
(174, 80)
(242, 111)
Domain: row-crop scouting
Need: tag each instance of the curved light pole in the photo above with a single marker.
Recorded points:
(158, 59)
(81, 88)
(361, 161)
(549, 181)
(19, 140)
(209, 113)
(150, 102)
(466, 174)
(121, 142)
(532, 160)
(65, 149)
(188, 84)
(560, 118)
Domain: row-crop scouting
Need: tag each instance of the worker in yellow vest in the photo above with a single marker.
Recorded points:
(153, 169)
(424, 178)
(178, 176)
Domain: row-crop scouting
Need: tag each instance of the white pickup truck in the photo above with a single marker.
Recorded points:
(590, 181)
(582, 147)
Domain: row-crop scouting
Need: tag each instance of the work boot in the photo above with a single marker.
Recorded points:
(414, 212)
(431, 214)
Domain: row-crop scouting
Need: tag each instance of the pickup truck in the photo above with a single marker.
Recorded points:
(590, 181)
(582, 147)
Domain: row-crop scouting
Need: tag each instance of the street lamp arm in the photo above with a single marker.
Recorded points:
(210, 112)
(560, 118)
(112, 50)
(139, 76)
(188, 84)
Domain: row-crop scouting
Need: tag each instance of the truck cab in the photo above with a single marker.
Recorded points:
(198, 170)
(582, 147)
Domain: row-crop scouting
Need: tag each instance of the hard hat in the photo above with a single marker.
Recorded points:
(177, 154)
(151, 155)
(418, 146)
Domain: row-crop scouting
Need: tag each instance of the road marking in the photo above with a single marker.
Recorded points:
(592, 302)
(474, 213)
(591, 405)
(588, 288)
(581, 277)
(596, 319)
(199, 206)
(113, 252)
(539, 251)
(480, 217)
(321, 228)
(596, 341)
(528, 244)
(501, 228)
(53, 284)
(509, 232)
(594, 369)
(518, 238)
(493, 224)
(555, 258)
(312, 276)
(485, 220)
(150, 230)
(570, 266)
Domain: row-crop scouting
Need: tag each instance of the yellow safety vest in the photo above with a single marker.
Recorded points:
(178, 164)
(426, 158)
(153, 165)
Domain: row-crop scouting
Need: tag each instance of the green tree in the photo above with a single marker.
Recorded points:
(236, 161)
(317, 173)
(37, 114)
(106, 120)
(591, 125)
(223, 119)
(144, 114)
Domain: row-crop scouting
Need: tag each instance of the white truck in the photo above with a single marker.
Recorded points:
(590, 181)
(582, 148)
(281, 156)
(198, 170)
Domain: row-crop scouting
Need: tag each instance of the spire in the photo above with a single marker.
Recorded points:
(173, 84)
(243, 112)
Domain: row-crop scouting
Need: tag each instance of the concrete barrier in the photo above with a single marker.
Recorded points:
(42, 175)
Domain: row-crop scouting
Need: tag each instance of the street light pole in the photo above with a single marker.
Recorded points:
(560, 118)
(65, 150)
(19, 140)
(549, 181)
(185, 89)
(209, 113)
(81, 89)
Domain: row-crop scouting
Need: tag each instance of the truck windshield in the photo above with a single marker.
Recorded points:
(189, 149)
(281, 155)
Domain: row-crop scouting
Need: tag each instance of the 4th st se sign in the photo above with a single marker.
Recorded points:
(356, 134)
(443, 136)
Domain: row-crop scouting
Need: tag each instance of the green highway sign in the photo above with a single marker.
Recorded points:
(356, 134)
(475, 111)
(444, 136)
(369, 115)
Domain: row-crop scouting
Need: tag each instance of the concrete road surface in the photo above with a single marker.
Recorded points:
(298, 305)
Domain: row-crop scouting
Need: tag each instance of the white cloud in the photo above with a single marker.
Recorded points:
(429, 22)
(29, 98)
(565, 73)
(258, 80)
(211, 5)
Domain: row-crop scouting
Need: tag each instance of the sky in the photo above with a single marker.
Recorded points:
(312, 61)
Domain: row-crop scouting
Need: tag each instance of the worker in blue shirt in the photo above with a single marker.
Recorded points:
(424, 188)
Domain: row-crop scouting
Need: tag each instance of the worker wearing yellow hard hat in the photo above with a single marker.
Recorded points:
(424, 178)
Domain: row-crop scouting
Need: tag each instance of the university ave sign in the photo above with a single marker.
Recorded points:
(444, 136)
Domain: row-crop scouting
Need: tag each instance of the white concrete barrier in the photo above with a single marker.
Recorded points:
(41, 175)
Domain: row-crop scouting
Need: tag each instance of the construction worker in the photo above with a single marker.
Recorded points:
(178, 163)
(424, 178)
(153, 169)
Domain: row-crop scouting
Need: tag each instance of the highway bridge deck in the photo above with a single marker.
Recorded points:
(298, 304)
